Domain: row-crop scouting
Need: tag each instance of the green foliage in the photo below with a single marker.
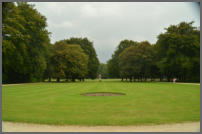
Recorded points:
(136, 61)
(69, 61)
(175, 55)
(87, 46)
(58, 60)
(77, 62)
(25, 43)
(113, 63)
(49, 72)
(179, 52)
(28, 56)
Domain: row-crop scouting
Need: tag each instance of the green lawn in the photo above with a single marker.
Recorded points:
(61, 103)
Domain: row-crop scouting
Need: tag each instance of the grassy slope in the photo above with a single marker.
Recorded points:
(61, 103)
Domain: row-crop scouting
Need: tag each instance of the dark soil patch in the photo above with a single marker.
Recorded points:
(103, 94)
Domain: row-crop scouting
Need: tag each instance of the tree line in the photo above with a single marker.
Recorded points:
(176, 54)
(28, 55)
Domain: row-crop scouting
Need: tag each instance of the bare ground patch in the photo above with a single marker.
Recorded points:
(103, 94)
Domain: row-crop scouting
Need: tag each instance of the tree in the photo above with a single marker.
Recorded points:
(154, 70)
(69, 61)
(135, 61)
(77, 63)
(87, 46)
(25, 43)
(129, 64)
(113, 63)
(58, 60)
(112, 68)
(35, 25)
(49, 72)
(179, 52)
(11, 32)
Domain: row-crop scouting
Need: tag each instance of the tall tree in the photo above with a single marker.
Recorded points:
(87, 46)
(25, 42)
(11, 34)
(77, 63)
(58, 61)
(39, 42)
(179, 52)
(154, 70)
(113, 63)
(69, 61)
(135, 61)
(49, 72)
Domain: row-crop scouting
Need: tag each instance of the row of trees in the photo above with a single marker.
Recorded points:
(176, 54)
(28, 55)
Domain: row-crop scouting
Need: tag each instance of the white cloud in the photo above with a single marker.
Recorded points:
(101, 10)
(63, 24)
(106, 24)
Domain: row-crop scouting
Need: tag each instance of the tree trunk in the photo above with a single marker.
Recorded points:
(161, 78)
(184, 78)
(168, 77)
(58, 79)
(130, 79)
(49, 79)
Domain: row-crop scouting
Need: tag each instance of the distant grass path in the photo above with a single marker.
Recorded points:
(61, 103)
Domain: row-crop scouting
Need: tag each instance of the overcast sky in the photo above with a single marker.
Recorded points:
(106, 24)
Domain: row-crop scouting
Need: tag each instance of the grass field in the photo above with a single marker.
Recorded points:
(61, 103)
